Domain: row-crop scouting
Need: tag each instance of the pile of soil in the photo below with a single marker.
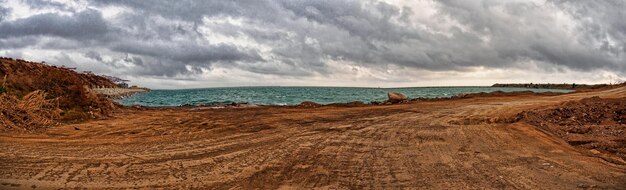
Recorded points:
(31, 112)
(70, 89)
(593, 123)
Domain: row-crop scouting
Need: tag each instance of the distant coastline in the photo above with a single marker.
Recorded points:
(119, 92)
(569, 86)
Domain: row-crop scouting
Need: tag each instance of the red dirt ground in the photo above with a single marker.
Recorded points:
(469, 143)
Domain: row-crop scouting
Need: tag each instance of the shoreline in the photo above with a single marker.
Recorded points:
(307, 104)
(348, 87)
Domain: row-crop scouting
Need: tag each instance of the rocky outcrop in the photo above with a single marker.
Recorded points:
(395, 97)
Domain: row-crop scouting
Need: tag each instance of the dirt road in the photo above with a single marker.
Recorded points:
(457, 144)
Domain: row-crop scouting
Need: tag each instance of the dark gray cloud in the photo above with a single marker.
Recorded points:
(299, 38)
(42, 4)
(20, 42)
(4, 11)
(531, 34)
(600, 21)
(187, 52)
(94, 55)
(82, 25)
(370, 24)
(193, 10)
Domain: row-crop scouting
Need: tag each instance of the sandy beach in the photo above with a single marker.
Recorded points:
(449, 144)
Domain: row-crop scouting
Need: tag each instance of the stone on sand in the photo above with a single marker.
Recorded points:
(395, 97)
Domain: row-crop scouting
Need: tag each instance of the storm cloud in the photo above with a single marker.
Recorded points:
(303, 42)
(82, 25)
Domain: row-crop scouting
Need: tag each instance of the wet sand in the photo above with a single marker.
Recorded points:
(452, 144)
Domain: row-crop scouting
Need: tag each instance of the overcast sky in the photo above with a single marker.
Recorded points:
(386, 43)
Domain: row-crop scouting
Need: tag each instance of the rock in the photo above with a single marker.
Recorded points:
(309, 104)
(594, 151)
(375, 103)
(395, 97)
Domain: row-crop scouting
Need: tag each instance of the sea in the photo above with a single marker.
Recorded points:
(275, 95)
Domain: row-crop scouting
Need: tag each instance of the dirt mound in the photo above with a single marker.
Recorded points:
(65, 86)
(31, 112)
(593, 123)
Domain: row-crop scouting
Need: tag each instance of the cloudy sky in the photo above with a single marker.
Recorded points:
(375, 43)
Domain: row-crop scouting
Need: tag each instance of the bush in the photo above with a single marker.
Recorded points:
(3, 89)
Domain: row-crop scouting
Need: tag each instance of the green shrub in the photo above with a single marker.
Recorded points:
(3, 89)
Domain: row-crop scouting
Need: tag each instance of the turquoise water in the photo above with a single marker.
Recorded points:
(295, 95)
